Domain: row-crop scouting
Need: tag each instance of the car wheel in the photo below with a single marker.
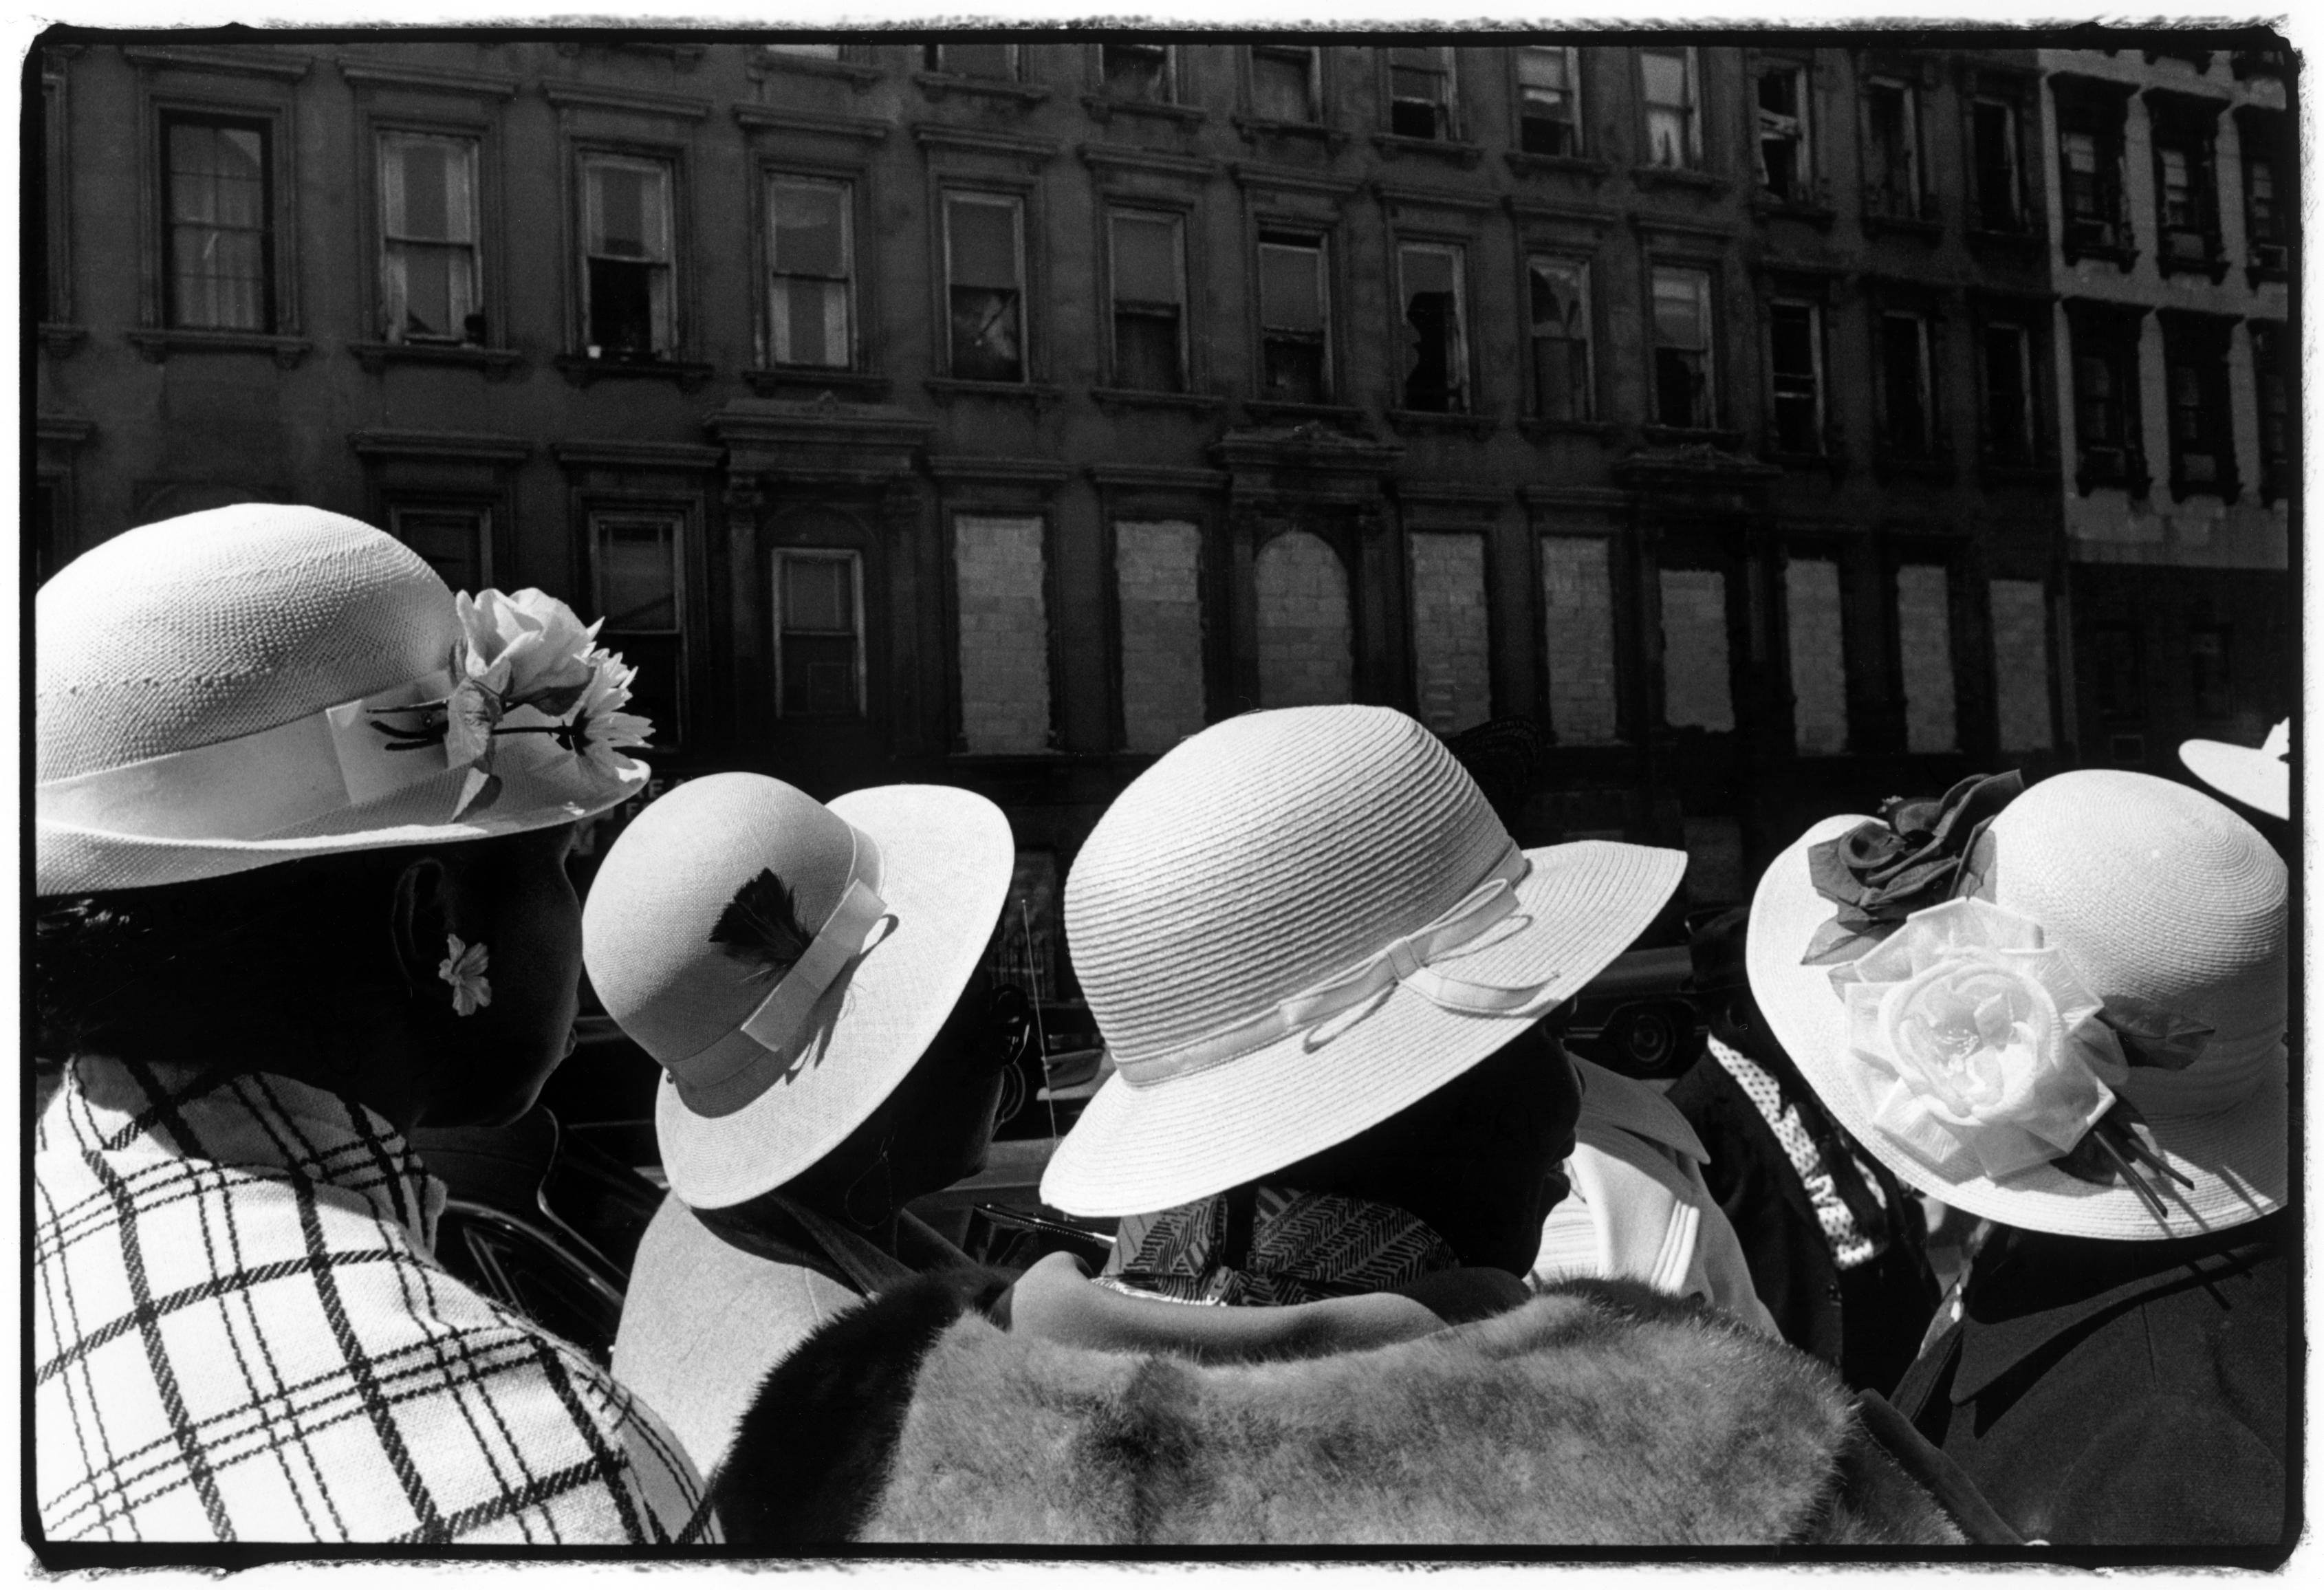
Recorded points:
(1644, 1041)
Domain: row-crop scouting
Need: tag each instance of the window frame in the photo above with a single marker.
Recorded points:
(1530, 253)
(1018, 196)
(1691, 158)
(2271, 352)
(1714, 367)
(2202, 344)
(2097, 108)
(1317, 80)
(1293, 230)
(268, 127)
(1449, 110)
(489, 510)
(1881, 204)
(597, 507)
(1928, 447)
(1141, 208)
(779, 559)
(2020, 221)
(2186, 126)
(1806, 171)
(1577, 121)
(933, 62)
(1464, 382)
(384, 128)
(2029, 321)
(1173, 72)
(2261, 139)
(2111, 333)
(848, 181)
(1820, 356)
(669, 160)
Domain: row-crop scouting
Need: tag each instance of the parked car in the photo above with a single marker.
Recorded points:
(1639, 1017)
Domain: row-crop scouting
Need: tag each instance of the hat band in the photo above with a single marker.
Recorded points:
(1403, 963)
(254, 785)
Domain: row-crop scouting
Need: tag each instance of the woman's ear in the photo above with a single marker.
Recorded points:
(419, 920)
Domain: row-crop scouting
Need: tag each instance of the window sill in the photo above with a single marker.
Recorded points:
(937, 85)
(2226, 490)
(157, 345)
(1251, 127)
(1701, 181)
(1410, 422)
(2122, 255)
(945, 389)
(2213, 265)
(1104, 107)
(1926, 227)
(857, 74)
(1535, 428)
(774, 381)
(496, 363)
(59, 340)
(1767, 207)
(2021, 240)
(1269, 411)
(2255, 273)
(1116, 399)
(1688, 436)
(2128, 476)
(581, 371)
(1396, 145)
(1556, 165)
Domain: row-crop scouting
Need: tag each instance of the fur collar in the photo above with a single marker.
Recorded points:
(1597, 1414)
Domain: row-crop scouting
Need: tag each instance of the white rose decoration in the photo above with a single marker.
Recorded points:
(1983, 1051)
(528, 648)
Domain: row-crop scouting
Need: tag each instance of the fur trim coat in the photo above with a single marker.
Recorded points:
(1597, 1413)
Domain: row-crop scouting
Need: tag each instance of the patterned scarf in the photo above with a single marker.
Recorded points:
(1261, 1244)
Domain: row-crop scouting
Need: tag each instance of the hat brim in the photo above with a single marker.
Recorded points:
(2236, 1157)
(946, 861)
(2242, 773)
(541, 787)
(1137, 1149)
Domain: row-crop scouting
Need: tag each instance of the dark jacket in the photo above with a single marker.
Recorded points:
(1867, 1321)
(1062, 1413)
(2120, 1392)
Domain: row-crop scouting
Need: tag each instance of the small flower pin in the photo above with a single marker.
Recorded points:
(464, 969)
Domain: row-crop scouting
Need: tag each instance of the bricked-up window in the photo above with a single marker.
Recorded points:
(1149, 320)
(218, 269)
(2185, 199)
(2008, 393)
(2272, 382)
(2000, 174)
(1420, 91)
(2089, 166)
(1436, 321)
(1783, 123)
(1158, 582)
(1674, 120)
(1577, 591)
(1698, 691)
(1294, 317)
(1140, 71)
(1892, 158)
(642, 594)
(819, 663)
(1306, 655)
(974, 61)
(2106, 397)
(1452, 663)
(1925, 645)
(1000, 567)
(1818, 662)
(1683, 347)
(2195, 385)
(1286, 83)
(2118, 651)
(1905, 409)
(2263, 135)
(984, 272)
(2021, 663)
(812, 51)
(1563, 381)
(456, 541)
(1795, 363)
(627, 257)
(811, 284)
(1549, 99)
(429, 281)
(2210, 671)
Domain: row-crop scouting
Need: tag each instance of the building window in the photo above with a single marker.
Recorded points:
(1698, 685)
(810, 291)
(2009, 394)
(2272, 379)
(984, 273)
(1000, 567)
(2000, 169)
(1906, 410)
(974, 61)
(1158, 590)
(812, 51)
(1924, 646)
(2020, 611)
(641, 592)
(431, 283)
(1420, 92)
(1796, 360)
(1307, 635)
(1146, 72)
(2089, 167)
(1892, 163)
(1549, 99)
(1783, 119)
(1293, 318)
(1435, 321)
(1682, 351)
(2267, 220)
(1674, 127)
(1286, 83)
(2107, 440)
(457, 542)
(2186, 198)
(1149, 295)
(1577, 596)
(1563, 379)
(819, 656)
(2195, 385)
(1818, 657)
(218, 272)
(1452, 661)
(2210, 670)
(626, 257)
(2120, 674)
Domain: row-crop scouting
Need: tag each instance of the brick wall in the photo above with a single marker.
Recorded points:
(1451, 665)
(1577, 606)
(1696, 688)
(1157, 570)
(1305, 654)
(2021, 663)
(1004, 634)
(1925, 643)
(1818, 666)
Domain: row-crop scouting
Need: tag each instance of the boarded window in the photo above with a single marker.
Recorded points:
(1578, 623)
(1924, 645)
(1001, 567)
(1285, 84)
(2021, 663)
(1158, 580)
(1698, 690)
(1819, 663)
(1451, 663)
(1305, 642)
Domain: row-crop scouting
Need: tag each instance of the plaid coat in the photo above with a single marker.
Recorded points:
(240, 1334)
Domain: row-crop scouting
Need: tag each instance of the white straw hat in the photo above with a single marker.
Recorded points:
(2261, 779)
(1295, 925)
(231, 689)
(769, 1062)
(2163, 901)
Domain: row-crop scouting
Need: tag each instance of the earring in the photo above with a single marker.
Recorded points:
(464, 968)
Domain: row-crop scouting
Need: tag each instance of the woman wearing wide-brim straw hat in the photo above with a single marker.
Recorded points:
(2077, 1032)
(301, 822)
(1321, 966)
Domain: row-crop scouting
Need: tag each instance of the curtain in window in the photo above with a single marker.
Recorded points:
(987, 294)
(428, 287)
(628, 243)
(218, 226)
(807, 316)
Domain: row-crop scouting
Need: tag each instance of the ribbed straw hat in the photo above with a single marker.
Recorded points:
(919, 871)
(2155, 893)
(2261, 779)
(202, 630)
(1295, 925)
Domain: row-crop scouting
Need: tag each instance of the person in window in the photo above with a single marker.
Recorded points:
(1320, 964)
(2067, 1017)
(812, 979)
(301, 821)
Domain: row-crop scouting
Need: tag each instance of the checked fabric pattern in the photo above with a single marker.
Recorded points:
(240, 1334)
(1300, 1248)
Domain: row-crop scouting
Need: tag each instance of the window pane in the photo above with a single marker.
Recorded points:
(983, 238)
(978, 60)
(637, 573)
(1558, 307)
(1901, 374)
(815, 51)
(1435, 377)
(1136, 71)
(1290, 285)
(2007, 388)
(1665, 75)
(1679, 298)
(986, 340)
(451, 540)
(810, 228)
(628, 212)
(1542, 67)
(1427, 270)
(1282, 84)
(820, 594)
(1145, 259)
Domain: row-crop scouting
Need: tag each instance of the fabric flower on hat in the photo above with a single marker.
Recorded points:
(1919, 853)
(600, 730)
(1983, 1051)
(529, 648)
